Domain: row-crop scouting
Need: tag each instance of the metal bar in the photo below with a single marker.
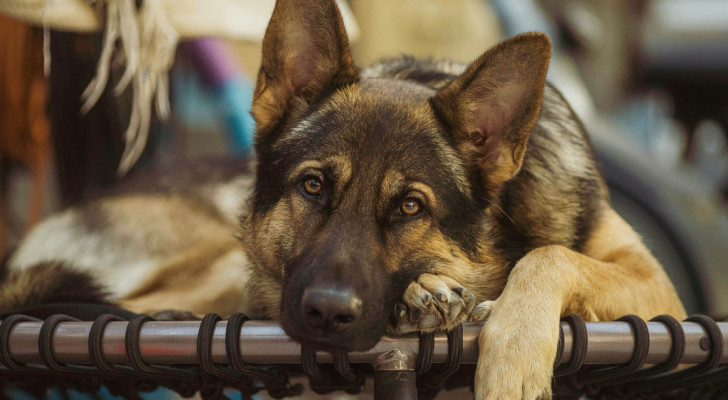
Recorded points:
(395, 385)
(264, 342)
(395, 377)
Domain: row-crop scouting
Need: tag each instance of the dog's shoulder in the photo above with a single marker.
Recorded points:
(560, 192)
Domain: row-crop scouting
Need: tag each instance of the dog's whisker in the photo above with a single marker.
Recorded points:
(501, 210)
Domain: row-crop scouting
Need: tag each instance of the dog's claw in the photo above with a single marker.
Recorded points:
(481, 312)
(455, 310)
(467, 295)
(427, 299)
(432, 302)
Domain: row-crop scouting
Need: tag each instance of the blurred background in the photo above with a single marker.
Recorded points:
(649, 78)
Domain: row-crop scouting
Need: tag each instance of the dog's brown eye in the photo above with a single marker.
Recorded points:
(312, 186)
(410, 207)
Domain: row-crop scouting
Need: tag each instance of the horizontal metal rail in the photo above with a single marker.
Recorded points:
(264, 342)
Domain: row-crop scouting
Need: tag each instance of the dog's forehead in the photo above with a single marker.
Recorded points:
(377, 125)
(377, 111)
(396, 90)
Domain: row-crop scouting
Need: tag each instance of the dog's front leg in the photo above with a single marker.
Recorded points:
(518, 343)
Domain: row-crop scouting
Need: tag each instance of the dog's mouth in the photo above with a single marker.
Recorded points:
(361, 339)
(319, 344)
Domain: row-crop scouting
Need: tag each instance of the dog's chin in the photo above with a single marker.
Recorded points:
(340, 342)
(324, 344)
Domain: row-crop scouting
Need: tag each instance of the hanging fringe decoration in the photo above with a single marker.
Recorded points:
(47, 38)
(147, 47)
(159, 41)
(145, 40)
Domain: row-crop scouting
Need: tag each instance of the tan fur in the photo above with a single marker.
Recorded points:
(617, 275)
(210, 277)
(260, 239)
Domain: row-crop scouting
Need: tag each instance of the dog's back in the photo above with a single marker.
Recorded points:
(123, 242)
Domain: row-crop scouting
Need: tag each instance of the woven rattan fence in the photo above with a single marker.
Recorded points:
(628, 358)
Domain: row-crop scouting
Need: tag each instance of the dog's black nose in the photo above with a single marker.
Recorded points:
(330, 309)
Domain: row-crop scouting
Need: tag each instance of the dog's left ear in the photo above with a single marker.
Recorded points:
(305, 55)
(494, 104)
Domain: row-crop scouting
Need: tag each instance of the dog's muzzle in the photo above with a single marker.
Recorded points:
(328, 309)
(334, 311)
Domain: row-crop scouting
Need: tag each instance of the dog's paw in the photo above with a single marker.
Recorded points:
(516, 356)
(432, 302)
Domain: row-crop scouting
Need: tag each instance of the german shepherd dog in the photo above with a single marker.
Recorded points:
(407, 196)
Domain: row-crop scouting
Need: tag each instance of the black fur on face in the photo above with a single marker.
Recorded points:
(372, 147)
(340, 261)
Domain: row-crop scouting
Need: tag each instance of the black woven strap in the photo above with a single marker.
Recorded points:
(325, 379)
(677, 335)
(424, 355)
(614, 388)
(134, 355)
(718, 375)
(204, 350)
(227, 376)
(212, 388)
(8, 323)
(674, 380)
(183, 380)
(432, 382)
(275, 379)
(309, 365)
(96, 349)
(344, 368)
(580, 342)
(45, 349)
(232, 346)
(639, 355)
(121, 380)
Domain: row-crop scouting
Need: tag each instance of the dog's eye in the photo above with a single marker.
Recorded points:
(312, 186)
(410, 207)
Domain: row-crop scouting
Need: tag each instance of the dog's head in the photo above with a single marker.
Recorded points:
(365, 183)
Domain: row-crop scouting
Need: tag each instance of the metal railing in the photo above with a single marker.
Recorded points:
(219, 352)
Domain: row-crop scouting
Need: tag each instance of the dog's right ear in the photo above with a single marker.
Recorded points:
(305, 56)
